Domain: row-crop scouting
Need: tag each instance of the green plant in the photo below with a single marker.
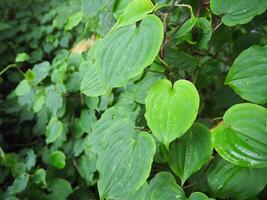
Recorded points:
(133, 99)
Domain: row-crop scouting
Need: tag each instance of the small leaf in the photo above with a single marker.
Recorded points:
(87, 167)
(190, 152)
(242, 138)
(23, 88)
(163, 186)
(53, 130)
(74, 20)
(53, 99)
(60, 189)
(86, 120)
(171, 109)
(135, 11)
(19, 185)
(226, 180)
(41, 71)
(39, 177)
(58, 159)
(248, 75)
(22, 57)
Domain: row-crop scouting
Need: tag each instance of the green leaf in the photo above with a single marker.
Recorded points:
(41, 71)
(87, 119)
(140, 194)
(118, 8)
(199, 196)
(185, 28)
(22, 57)
(124, 160)
(163, 186)
(248, 75)
(74, 20)
(237, 12)
(60, 189)
(140, 89)
(58, 159)
(23, 88)
(204, 32)
(39, 177)
(53, 99)
(53, 130)
(135, 11)
(19, 185)
(123, 55)
(39, 102)
(86, 165)
(188, 154)
(226, 180)
(171, 109)
(242, 138)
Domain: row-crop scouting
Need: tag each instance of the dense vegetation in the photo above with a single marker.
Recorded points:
(133, 99)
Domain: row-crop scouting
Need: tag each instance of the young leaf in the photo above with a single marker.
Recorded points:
(242, 138)
(190, 152)
(237, 12)
(163, 186)
(171, 109)
(21, 57)
(58, 159)
(248, 75)
(226, 180)
(53, 130)
(135, 11)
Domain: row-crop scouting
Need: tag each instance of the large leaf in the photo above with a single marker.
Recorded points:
(226, 180)
(237, 11)
(124, 162)
(248, 75)
(123, 54)
(242, 138)
(163, 186)
(188, 154)
(171, 109)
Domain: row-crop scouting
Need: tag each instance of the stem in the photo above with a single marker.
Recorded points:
(7, 68)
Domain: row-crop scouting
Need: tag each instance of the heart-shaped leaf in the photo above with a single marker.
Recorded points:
(248, 75)
(242, 138)
(171, 109)
(163, 186)
(123, 54)
(237, 11)
(188, 154)
(226, 180)
(124, 159)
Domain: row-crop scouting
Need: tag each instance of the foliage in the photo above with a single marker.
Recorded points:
(133, 99)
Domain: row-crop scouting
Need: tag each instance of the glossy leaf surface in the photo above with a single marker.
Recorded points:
(242, 138)
(248, 75)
